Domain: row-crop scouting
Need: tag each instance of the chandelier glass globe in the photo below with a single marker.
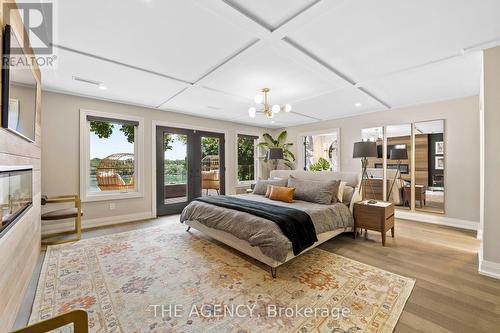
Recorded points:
(252, 112)
(258, 99)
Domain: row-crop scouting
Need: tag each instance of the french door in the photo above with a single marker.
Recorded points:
(189, 164)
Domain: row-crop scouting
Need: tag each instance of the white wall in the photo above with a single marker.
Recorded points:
(60, 152)
(462, 146)
(490, 261)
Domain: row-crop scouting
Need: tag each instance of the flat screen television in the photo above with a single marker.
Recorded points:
(19, 88)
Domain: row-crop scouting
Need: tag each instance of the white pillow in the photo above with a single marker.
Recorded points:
(340, 193)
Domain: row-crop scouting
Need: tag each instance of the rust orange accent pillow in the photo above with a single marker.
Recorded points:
(281, 193)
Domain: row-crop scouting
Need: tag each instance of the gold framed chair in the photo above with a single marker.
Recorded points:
(79, 319)
(63, 214)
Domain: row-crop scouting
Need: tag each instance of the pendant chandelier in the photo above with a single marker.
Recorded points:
(264, 107)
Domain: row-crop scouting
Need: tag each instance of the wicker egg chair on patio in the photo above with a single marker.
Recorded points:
(109, 170)
(210, 173)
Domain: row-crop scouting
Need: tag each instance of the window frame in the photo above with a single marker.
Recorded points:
(301, 152)
(85, 194)
(256, 163)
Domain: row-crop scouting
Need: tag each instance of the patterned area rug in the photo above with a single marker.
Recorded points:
(164, 279)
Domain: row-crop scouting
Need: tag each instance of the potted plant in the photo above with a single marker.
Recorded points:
(321, 165)
(280, 142)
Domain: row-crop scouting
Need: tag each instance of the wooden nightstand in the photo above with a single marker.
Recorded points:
(377, 217)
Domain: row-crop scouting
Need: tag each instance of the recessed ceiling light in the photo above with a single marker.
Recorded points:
(103, 87)
(357, 105)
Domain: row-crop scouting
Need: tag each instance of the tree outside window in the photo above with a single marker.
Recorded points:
(246, 157)
(112, 147)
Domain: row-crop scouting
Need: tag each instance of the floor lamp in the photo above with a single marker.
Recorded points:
(397, 154)
(364, 150)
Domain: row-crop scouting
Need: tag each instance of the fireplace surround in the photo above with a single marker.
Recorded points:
(16, 194)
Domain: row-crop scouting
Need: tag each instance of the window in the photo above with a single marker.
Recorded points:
(321, 152)
(110, 156)
(247, 162)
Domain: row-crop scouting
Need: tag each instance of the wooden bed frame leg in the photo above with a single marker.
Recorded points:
(273, 272)
(189, 228)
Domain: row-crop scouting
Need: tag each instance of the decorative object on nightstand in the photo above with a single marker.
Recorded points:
(377, 217)
(364, 150)
(397, 154)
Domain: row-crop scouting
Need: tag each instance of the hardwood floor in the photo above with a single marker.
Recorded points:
(449, 295)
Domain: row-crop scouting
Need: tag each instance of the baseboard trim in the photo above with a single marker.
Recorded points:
(437, 219)
(54, 227)
(479, 234)
(489, 268)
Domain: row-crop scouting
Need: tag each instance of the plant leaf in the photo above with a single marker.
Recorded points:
(289, 164)
(282, 137)
(263, 145)
(269, 139)
(289, 153)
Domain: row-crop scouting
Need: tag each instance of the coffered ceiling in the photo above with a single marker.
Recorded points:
(327, 58)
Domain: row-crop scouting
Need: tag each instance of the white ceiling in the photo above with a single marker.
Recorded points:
(210, 57)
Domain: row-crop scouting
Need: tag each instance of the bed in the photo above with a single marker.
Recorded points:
(263, 239)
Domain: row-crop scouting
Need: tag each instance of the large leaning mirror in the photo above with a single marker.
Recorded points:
(429, 166)
(321, 151)
(399, 170)
(374, 185)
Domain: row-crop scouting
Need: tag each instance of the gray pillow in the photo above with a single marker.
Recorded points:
(322, 192)
(261, 185)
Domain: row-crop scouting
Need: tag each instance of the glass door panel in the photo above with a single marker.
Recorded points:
(189, 164)
(398, 170)
(175, 171)
(429, 166)
(173, 187)
(212, 163)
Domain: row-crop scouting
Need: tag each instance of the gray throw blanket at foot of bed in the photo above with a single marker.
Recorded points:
(295, 224)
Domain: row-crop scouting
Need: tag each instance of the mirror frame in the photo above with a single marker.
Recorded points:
(412, 164)
(423, 210)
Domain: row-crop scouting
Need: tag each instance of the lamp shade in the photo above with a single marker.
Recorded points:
(275, 153)
(364, 149)
(398, 154)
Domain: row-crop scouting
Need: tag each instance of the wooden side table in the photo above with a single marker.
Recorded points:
(377, 217)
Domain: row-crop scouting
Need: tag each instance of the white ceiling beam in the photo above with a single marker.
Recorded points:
(278, 38)
(227, 10)
(231, 14)
(307, 15)
(62, 47)
(318, 60)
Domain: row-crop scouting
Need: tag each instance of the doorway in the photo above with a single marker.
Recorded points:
(189, 164)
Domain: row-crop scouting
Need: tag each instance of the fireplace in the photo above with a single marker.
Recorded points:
(16, 194)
